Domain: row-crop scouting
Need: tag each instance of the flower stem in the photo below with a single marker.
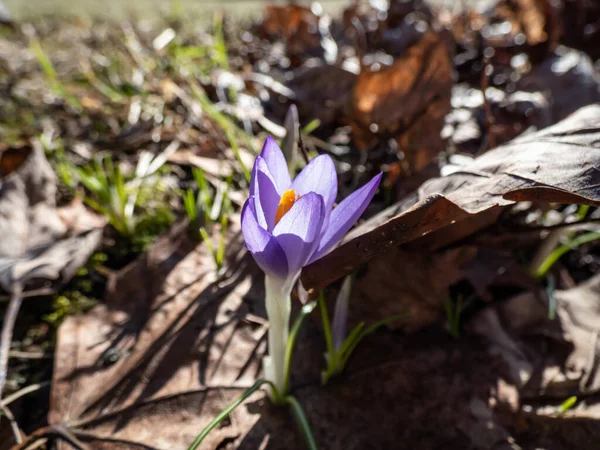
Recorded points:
(279, 304)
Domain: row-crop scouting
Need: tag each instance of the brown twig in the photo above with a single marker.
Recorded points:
(113, 440)
(28, 355)
(7, 330)
(57, 431)
(67, 436)
(20, 393)
(32, 293)
(34, 437)
(14, 426)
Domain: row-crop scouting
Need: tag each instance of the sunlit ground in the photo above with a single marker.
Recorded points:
(148, 9)
(152, 9)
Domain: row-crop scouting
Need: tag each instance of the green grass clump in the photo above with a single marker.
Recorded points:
(207, 208)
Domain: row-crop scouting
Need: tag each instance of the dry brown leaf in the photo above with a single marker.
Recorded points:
(32, 233)
(12, 158)
(80, 219)
(299, 27)
(549, 360)
(391, 287)
(579, 20)
(567, 78)
(407, 100)
(287, 20)
(558, 164)
(532, 19)
(171, 337)
(322, 92)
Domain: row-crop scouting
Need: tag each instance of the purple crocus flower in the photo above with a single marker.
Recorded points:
(288, 224)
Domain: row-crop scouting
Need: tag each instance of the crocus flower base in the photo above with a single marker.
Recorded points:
(279, 305)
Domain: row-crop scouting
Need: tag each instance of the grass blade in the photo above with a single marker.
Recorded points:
(560, 251)
(302, 422)
(189, 203)
(247, 393)
(289, 346)
(326, 326)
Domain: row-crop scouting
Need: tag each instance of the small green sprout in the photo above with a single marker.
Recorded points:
(219, 53)
(311, 126)
(51, 76)
(550, 291)
(567, 405)
(231, 130)
(339, 346)
(109, 194)
(212, 210)
(571, 244)
(113, 195)
(200, 204)
(453, 313)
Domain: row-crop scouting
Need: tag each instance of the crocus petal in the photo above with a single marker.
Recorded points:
(275, 160)
(298, 230)
(265, 194)
(345, 215)
(318, 176)
(265, 249)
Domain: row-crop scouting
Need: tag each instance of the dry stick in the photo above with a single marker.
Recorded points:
(14, 426)
(7, 330)
(66, 435)
(109, 439)
(27, 294)
(43, 433)
(28, 355)
(20, 393)
(42, 442)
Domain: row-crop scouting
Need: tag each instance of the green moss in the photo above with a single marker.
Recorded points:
(68, 304)
(81, 293)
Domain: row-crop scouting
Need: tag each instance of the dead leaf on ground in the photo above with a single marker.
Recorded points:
(580, 26)
(172, 336)
(322, 92)
(470, 131)
(390, 287)
(567, 78)
(32, 233)
(12, 158)
(557, 164)
(549, 360)
(526, 16)
(299, 27)
(406, 100)
(78, 218)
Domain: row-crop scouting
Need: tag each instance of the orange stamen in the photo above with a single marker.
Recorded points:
(286, 202)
